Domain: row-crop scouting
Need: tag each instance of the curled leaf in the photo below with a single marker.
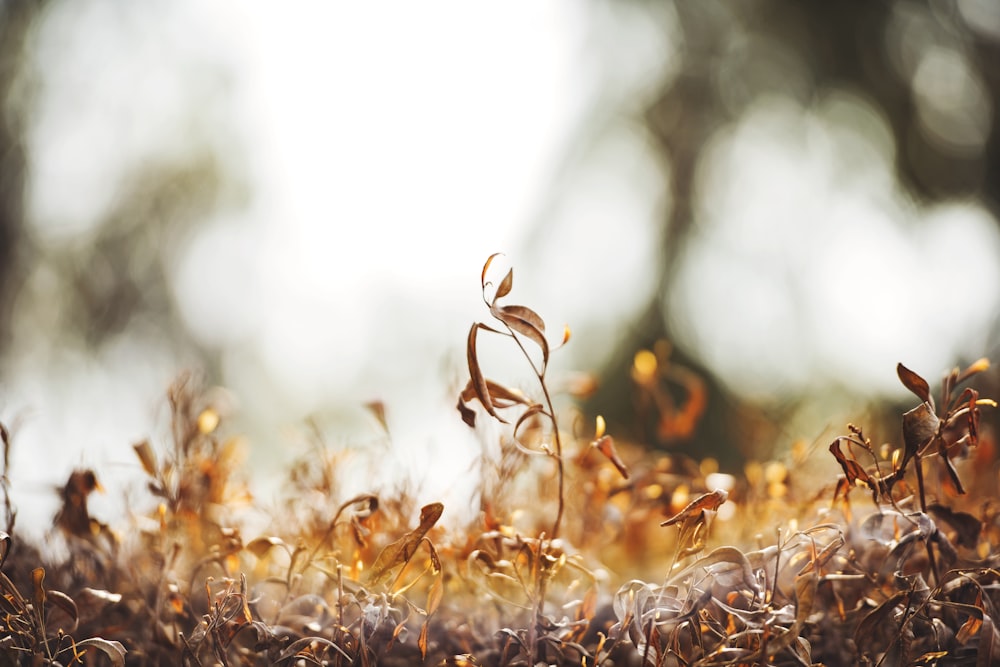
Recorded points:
(919, 425)
(146, 456)
(260, 546)
(709, 501)
(526, 322)
(914, 383)
(477, 379)
(853, 470)
(505, 285)
(977, 366)
(114, 650)
(401, 551)
(486, 267)
(606, 445)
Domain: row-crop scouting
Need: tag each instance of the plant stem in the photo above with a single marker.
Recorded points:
(559, 458)
(540, 374)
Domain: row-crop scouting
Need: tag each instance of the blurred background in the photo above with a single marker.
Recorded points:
(777, 201)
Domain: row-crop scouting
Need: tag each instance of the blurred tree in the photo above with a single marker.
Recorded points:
(730, 55)
(15, 19)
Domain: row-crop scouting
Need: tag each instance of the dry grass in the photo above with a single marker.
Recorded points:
(893, 562)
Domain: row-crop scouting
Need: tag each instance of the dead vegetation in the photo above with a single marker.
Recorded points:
(894, 562)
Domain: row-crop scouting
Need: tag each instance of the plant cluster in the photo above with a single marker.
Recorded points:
(586, 551)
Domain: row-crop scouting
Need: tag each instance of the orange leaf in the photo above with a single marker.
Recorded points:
(708, 501)
(486, 267)
(606, 445)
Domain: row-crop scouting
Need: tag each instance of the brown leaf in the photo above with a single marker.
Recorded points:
(401, 551)
(114, 650)
(987, 635)
(478, 381)
(974, 623)
(606, 445)
(37, 579)
(66, 604)
(500, 397)
(486, 267)
(505, 285)
(260, 546)
(914, 383)
(952, 472)
(967, 527)
(422, 641)
(919, 425)
(146, 456)
(526, 322)
(535, 409)
(878, 621)
(853, 470)
(377, 410)
(504, 397)
(468, 414)
(708, 501)
(434, 595)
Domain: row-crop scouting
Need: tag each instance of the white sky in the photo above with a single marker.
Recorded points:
(390, 147)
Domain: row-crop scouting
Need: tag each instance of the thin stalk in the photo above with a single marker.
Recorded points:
(540, 375)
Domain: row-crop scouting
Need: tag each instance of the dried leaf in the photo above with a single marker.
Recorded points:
(974, 623)
(730, 568)
(914, 383)
(987, 642)
(967, 527)
(37, 579)
(114, 650)
(434, 595)
(919, 425)
(606, 445)
(505, 285)
(977, 366)
(526, 322)
(401, 551)
(377, 410)
(486, 268)
(853, 470)
(66, 604)
(504, 397)
(261, 545)
(878, 620)
(422, 641)
(146, 456)
(532, 410)
(477, 379)
(600, 426)
(708, 501)
(308, 644)
(467, 413)
(952, 473)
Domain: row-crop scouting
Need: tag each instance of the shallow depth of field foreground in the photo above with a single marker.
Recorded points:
(584, 551)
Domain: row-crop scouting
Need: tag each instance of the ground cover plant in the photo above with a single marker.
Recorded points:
(585, 551)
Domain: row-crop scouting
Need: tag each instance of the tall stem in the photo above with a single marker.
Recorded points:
(559, 457)
(540, 374)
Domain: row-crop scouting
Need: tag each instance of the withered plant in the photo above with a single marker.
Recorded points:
(761, 571)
